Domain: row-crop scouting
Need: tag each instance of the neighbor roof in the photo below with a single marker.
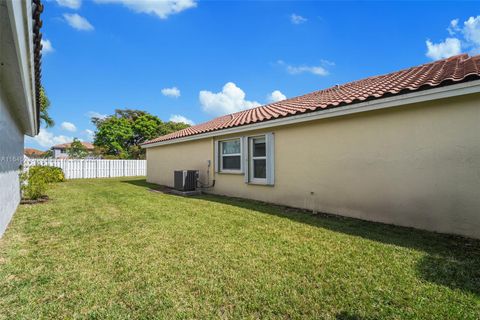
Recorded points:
(33, 152)
(87, 145)
(438, 73)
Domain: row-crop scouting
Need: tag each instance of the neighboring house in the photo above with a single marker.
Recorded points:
(401, 148)
(33, 153)
(61, 150)
(20, 54)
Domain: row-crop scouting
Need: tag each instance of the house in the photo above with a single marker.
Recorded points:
(20, 55)
(33, 153)
(401, 148)
(61, 150)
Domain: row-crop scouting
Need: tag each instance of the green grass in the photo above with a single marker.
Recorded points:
(113, 249)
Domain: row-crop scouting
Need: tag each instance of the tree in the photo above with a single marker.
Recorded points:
(121, 134)
(77, 150)
(44, 105)
(48, 154)
(114, 136)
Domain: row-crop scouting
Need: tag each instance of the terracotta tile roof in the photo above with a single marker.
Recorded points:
(32, 152)
(426, 76)
(87, 145)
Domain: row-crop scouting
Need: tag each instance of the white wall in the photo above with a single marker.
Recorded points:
(57, 153)
(11, 156)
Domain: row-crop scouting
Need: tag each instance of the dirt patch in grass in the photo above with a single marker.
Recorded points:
(41, 199)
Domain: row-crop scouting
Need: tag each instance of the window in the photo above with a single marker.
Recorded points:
(258, 160)
(251, 156)
(230, 155)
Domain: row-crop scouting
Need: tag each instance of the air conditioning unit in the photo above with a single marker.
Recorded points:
(185, 180)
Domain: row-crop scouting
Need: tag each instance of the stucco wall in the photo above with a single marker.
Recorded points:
(11, 156)
(57, 153)
(161, 162)
(416, 166)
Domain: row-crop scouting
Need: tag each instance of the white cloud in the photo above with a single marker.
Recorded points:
(453, 28)
(442, 50)
(231, 99)
(467, 37)
(160, 8)
(471, 31)
(94, 114)
(297, 19)
(46, 46)
(68, 126)
(78, 22)
(72, 4)
(180, 118)
(327, 63)
(275, 96)
(171, 92)
(319, 70)
(47, 139)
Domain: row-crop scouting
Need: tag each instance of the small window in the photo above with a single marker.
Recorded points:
(258, 160)
(230, 155)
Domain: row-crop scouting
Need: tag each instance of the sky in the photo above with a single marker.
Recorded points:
(191, 61)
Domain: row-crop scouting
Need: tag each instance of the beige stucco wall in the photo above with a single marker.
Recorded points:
(162, 161)
(416, 166)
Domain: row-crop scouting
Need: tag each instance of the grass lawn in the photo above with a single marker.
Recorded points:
(110, 248)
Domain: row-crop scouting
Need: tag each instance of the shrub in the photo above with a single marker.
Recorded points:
(49, 174)
(32, 188)
(34, 181)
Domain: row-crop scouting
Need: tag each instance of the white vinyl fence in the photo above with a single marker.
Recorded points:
(93, 168)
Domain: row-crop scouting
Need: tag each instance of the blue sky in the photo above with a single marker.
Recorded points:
(201, 59)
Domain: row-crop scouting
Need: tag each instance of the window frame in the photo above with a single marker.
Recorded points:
(221, 155)
(252, 158)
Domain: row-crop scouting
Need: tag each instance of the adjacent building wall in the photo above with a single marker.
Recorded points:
(57, 153)
(11, 156)
(416, 166)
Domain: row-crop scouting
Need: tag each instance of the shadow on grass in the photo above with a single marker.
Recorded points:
(451, 261)
(347, 316)
(142, 183)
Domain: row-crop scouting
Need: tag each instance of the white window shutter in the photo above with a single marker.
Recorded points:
(245, 151)
(217, 156)
(270, 143)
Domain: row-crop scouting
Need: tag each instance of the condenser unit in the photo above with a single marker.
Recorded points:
(185, 180)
